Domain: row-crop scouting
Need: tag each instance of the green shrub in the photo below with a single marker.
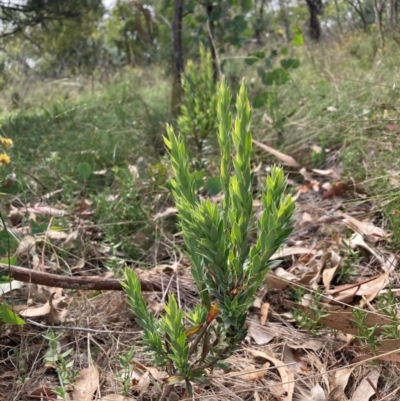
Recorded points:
(226, 267)
(198, 120)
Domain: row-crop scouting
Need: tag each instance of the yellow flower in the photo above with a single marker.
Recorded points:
(4, 159)
(6, 142)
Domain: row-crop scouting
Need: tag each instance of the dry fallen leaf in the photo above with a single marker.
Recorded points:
(143, 383)
(343, 321)
(33, 311)
(357, 239)
(169, 211)
(47, 210)
(306, 175)
(116, 397)
(285, 159)
(264, 313)
(7, 287)
(39, 389)
(338, 384)
(308, 343)
(55, 309)
(338, 188)
(328, 173)
(364, 391)
(306, 218)
(50, 195)
(329, 272)
(317, 393)
(341, 377)
(286, 374)
(58, 309)
(279, 279)
(337, 394)
(259, 334)
(25, 246)
(369, 291)
(86, 384)
(291, 358)
(388, 351)
(56, 235)
(72, 236)
(292, 250)
(14, 214)
(363, 227)
(253, 374)
(79, 265)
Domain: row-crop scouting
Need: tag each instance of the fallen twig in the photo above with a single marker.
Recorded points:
(71, 282)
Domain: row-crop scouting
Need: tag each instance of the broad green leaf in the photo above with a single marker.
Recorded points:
(260, 100)
(84, 171)
(6, 239)
(261, 72)
(298, 39)
(215, 15)
(37, 228)
(290, 63)
(4, 279)
(274, 53)
(198, 179)
(278, 77)
(254, 57)
(239, 24)
(214, 186)
(268, 63)
(246, 5)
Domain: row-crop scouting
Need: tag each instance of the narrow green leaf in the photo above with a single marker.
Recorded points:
(9, 317)
(11, 261)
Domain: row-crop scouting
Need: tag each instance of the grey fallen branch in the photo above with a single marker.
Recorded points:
(70, 282)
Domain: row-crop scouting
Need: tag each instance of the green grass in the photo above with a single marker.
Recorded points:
(336, 99)
(106, 129)
(342, 97)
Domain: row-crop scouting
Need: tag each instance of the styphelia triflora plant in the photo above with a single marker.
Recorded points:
(227, 268)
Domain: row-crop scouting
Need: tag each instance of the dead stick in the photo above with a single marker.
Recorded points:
(378, 396)
(76, 283)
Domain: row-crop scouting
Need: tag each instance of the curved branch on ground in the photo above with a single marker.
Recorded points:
(70, 282)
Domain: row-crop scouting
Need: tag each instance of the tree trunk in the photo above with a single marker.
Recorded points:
(285, 19)
(358, 8)
(209, 10)
(361, 13)
(379, 6)
(258, 26)
(315, 9)
(178, 56)
(338, 16)
(393, 10)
